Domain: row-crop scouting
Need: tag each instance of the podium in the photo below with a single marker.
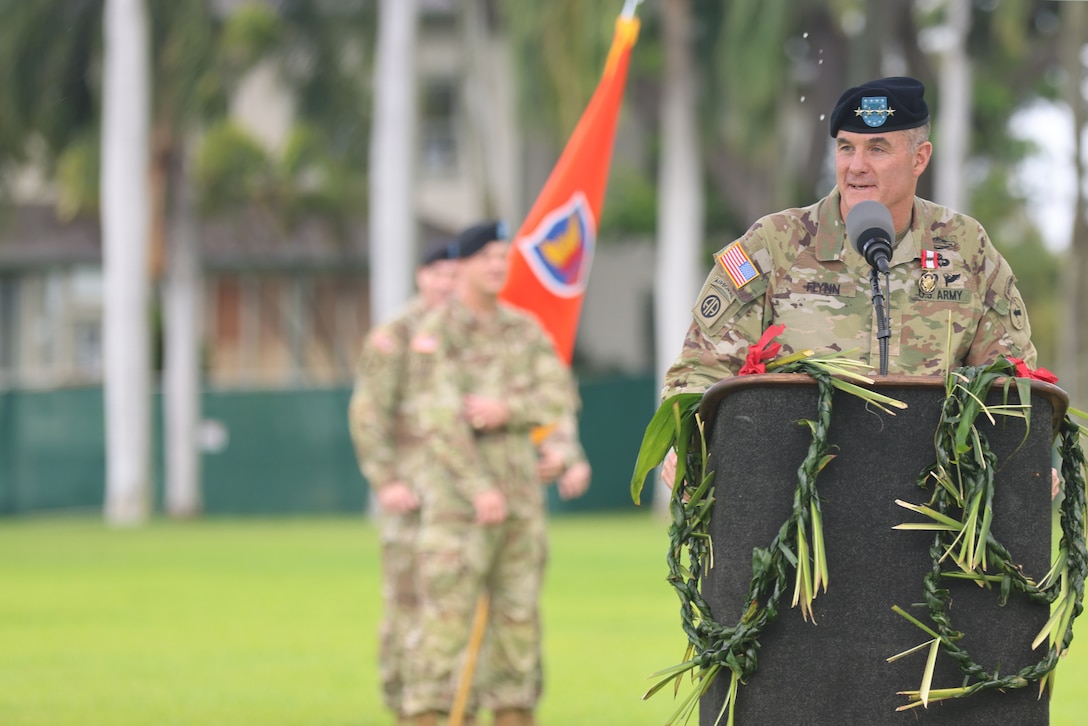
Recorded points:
(835, 671)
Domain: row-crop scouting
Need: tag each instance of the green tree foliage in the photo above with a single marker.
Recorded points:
(50, 95)
(630, 205)
(191, 76)
(78, 176)
(232, 167)
(302, 182)
(1014, 48)
(49, 84)
(324, 53)
(560, 47)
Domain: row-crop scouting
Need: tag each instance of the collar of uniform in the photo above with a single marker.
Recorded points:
(907, 249)
(416, 307)
(831, 241)
(464, 316)
(460, 313)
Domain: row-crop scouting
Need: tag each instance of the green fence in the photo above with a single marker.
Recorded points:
(280, 451)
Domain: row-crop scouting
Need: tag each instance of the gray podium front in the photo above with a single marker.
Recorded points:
(835, 671)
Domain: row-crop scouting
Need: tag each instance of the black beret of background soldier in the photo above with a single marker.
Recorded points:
(473, 239)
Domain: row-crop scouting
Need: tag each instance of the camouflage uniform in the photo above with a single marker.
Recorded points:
(509, 358)
(809, 277)
(382, 440)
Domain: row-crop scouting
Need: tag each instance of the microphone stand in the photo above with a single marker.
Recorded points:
(883, 327)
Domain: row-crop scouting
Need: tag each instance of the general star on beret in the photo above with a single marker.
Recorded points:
(886, 104)
(470, 241)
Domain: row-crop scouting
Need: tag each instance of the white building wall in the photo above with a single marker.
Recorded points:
(614, 330)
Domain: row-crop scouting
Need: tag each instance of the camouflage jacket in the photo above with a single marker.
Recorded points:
(506, 357)
(797, 268)
(379, 430)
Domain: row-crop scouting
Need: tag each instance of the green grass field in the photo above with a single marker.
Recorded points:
(272, 622)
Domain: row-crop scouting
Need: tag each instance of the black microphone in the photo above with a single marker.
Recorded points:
(869, 226)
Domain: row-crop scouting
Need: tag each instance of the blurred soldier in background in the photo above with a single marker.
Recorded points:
(562, 459)
(382, 440)
(481, 377)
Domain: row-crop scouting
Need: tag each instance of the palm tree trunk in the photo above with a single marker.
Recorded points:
(126, 335)
(181, 372)
(1072, 342)
(680, 199)
(680, 205)
(490, 110)
(392, 221)
(955, 111)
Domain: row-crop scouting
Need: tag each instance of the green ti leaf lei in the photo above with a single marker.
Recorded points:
(964, 547)
(714, 648)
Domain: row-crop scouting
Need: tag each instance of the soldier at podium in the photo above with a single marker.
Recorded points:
(952, 301)
(798, 267)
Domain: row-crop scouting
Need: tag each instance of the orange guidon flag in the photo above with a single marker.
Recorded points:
(552, 251)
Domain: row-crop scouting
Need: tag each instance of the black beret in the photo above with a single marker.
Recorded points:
(472, 240)
(435, 253)
(887, 104)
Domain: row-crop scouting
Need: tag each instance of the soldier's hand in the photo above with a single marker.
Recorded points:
(668, 468)
(575, 480)
(550, 464)
(483, 413)
(490, 507)
(397, 497)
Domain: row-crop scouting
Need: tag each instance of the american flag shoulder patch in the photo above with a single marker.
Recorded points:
(738, 265)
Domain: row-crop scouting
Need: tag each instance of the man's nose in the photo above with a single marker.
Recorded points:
(859, 161)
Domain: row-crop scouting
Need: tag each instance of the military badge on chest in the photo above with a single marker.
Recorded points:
(927, 283)
(939, 281)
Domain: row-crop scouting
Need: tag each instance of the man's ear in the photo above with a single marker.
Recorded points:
(921, 157)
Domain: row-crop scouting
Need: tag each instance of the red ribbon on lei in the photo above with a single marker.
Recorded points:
(1039, 374)
(763, 351)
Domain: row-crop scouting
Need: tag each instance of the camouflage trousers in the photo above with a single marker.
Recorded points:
(459, 561)
(399, 602)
